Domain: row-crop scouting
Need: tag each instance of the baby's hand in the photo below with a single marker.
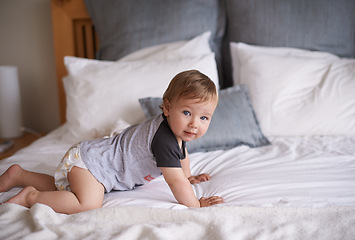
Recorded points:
(199, 178)
(206, 202)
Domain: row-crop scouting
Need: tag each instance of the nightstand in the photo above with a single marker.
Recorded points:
(20, 142)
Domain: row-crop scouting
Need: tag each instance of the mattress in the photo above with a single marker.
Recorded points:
(290, 172)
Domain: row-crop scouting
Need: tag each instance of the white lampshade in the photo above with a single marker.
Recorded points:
(10, 103)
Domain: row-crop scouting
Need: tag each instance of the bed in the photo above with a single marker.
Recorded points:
(280, 149)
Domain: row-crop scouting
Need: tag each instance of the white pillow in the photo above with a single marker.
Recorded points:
(101, 92)
(197, 46)
(300, 95)
(276, 51)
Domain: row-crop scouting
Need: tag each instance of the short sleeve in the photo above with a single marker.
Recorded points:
(165, 147)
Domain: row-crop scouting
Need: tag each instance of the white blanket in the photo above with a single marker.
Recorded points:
(41, 222)
(295, 188)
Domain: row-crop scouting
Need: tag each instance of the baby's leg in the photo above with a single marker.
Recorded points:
(17, 176)
(87, 193)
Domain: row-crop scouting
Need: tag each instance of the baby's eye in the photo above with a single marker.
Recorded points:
(187, 113)
(204, 118)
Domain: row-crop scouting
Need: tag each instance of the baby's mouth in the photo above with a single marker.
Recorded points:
(191, 132)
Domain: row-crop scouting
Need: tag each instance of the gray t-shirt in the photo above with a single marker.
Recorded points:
(133, 157)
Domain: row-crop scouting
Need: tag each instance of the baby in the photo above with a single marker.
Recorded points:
(132, 158)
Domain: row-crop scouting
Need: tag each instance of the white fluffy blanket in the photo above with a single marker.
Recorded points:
(41, 222)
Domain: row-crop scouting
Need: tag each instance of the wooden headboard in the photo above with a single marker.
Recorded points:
(74, 35)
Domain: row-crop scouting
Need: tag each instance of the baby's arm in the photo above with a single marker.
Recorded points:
(180, 186)
(182, 190)
(185, 164)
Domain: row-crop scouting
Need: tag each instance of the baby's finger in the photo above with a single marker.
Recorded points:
(204, 177)
(215, 200)
(194, 181)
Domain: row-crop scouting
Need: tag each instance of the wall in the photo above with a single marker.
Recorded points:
(26, 41)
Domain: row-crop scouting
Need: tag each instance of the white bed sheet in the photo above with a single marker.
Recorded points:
(296, 188)
(297, 172)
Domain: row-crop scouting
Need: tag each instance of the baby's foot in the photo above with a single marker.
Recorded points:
(22, 197)
(9, 179)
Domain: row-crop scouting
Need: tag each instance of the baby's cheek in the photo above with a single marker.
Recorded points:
(202, 132)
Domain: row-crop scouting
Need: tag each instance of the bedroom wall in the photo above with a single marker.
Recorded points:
(26, 41)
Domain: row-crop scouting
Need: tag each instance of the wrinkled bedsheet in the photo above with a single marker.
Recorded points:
(295, 188)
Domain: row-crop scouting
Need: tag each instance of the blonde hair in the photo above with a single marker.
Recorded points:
(190, 84)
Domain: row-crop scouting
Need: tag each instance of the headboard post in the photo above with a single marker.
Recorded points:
(73, 35)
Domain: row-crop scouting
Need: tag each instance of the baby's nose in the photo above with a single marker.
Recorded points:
(193, 124)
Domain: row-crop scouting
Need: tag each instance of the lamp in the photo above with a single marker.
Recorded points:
(10, 107)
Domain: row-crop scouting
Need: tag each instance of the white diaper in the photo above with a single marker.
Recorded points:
(72, 158)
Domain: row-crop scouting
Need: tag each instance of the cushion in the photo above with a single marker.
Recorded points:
(277, 51)
(233, 122)
(303, 94)
(127, 26)
(196, 46)
(100, 92)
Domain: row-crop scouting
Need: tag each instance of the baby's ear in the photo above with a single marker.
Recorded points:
(166, 107)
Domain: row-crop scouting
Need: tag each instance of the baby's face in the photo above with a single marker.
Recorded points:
(189, 118)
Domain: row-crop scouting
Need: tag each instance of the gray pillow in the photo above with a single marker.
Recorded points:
(234, 122)
(125, 26)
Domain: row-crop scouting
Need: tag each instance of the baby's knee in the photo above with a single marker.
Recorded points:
(90, 206)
